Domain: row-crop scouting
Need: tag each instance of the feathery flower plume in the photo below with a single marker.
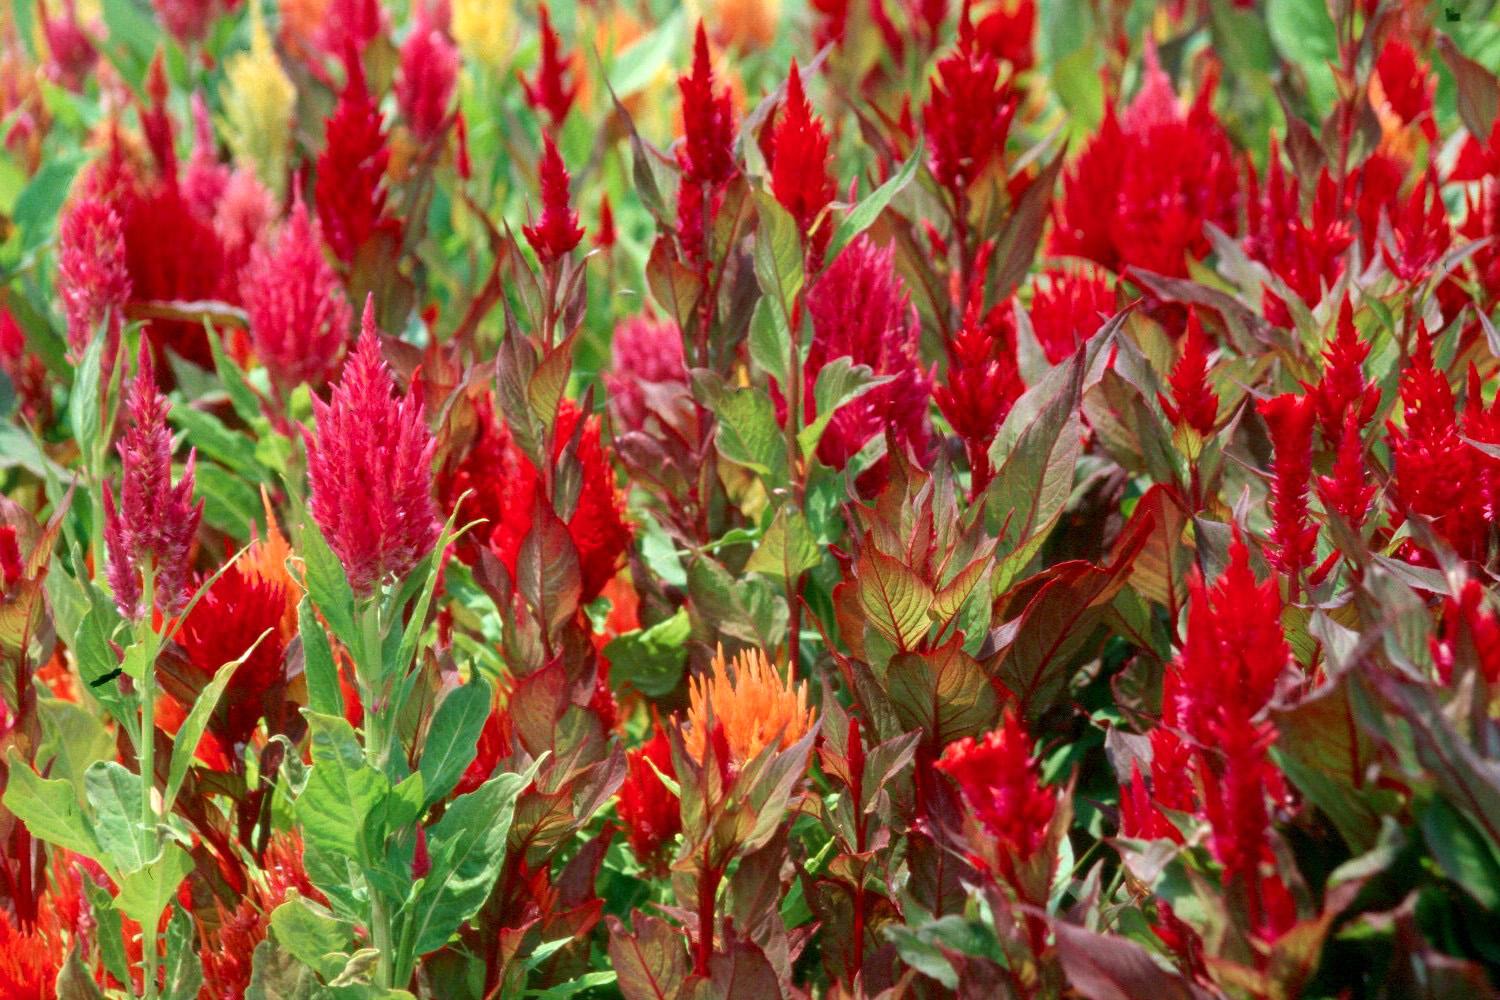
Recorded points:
(1420, 232)
(969, 113)
(350, 191)
(799, 161)
(1307, 256)
(1143, 188)
(860, 310)
(1294, 537)
(649, 811)
(1404, 84)
(153, 524)
(983, 381)
(1193, 403)
(258, 98)
(370, 470)
(1008, 33)
(550, 90)
(748, 699)
(1068, 307)
(187, 20)
(1471, 631)
(645, 353)
(70, 46)
(299, 318)
(428, 75)
(707, 151)
(999, 779)
(504, 489)
(557, 232)
(1345, 491)
(26, 370)
(1343, 392)
(91, 273)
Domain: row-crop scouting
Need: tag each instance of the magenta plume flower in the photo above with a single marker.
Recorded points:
(153, 524)
(299, 318)
(370, 470)
(429, 72)
(91, 274)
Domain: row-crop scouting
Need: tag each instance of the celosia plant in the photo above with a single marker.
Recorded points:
(824, 499)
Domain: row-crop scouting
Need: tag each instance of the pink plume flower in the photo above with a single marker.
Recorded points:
(646, 360)
(299, 317)
(557, 232)
(429, 72)
(92, 276)
(550, 90)
(860, 310)
(154, 521)
(370, 470)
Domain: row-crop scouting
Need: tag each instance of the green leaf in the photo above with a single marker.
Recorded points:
(241, 396)
(863, 215)
(277, 975)
(74, 981)
(215, 440)
(108, 932)
(40, 203)
(146, 892)
(945, 693)
(324, 695)
(230, 503)
(115, 795)
(83, 401)
(185, 744)
(748, 432)
(788, 549)
(895, 599)
(651, 660)
(467, 847)
(840, 381)
(770, 340)
(1463, 851)
(778, 252)
(184, 970)
(327, 584)
(453, 737)
(310, 933)
(1305, 36)
(342, 791)
(48, 807)
(74, 738)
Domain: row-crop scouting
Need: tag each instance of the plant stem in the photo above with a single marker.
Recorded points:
(146, 754)
(378, 730)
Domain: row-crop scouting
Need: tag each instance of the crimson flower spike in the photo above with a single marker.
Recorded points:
(370, 470)
(1293, 535)
(1193, 403)
(799, 168)
(707, 153)
(91, 274)
(557, 232)
(550, 90)
(429, 72)
(152, 526)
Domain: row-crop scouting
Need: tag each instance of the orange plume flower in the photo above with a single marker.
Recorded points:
(754, 704)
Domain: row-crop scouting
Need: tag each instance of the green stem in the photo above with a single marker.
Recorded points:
(146, 752)
(378, 731)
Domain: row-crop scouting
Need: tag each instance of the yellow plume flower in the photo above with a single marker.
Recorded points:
(259, 99)
(485, 31)
(755, 706)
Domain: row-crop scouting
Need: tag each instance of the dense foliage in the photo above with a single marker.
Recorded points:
(871, 498)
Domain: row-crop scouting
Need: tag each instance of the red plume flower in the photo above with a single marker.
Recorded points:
(604, 235)
(1068, 307)
(557, 232)
(1144, 187)
(1193, 403)
(154, 522)
(1293, 535)
(800, 177)
(92, 278)
(429, 72)
(982, 382)
(350, 191)
(1345, 492)
(860, 310)
(370, 470)
(506, 488)
(1343, 392)
(969, 113)
(1008, 32)
(27, 372)
(1471, 631)
(1406, 83)
(1420, 232)
(707, 152)
(998, 777)
(299, 317)
(550, 90)
(649, 811)
(1307, 256)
